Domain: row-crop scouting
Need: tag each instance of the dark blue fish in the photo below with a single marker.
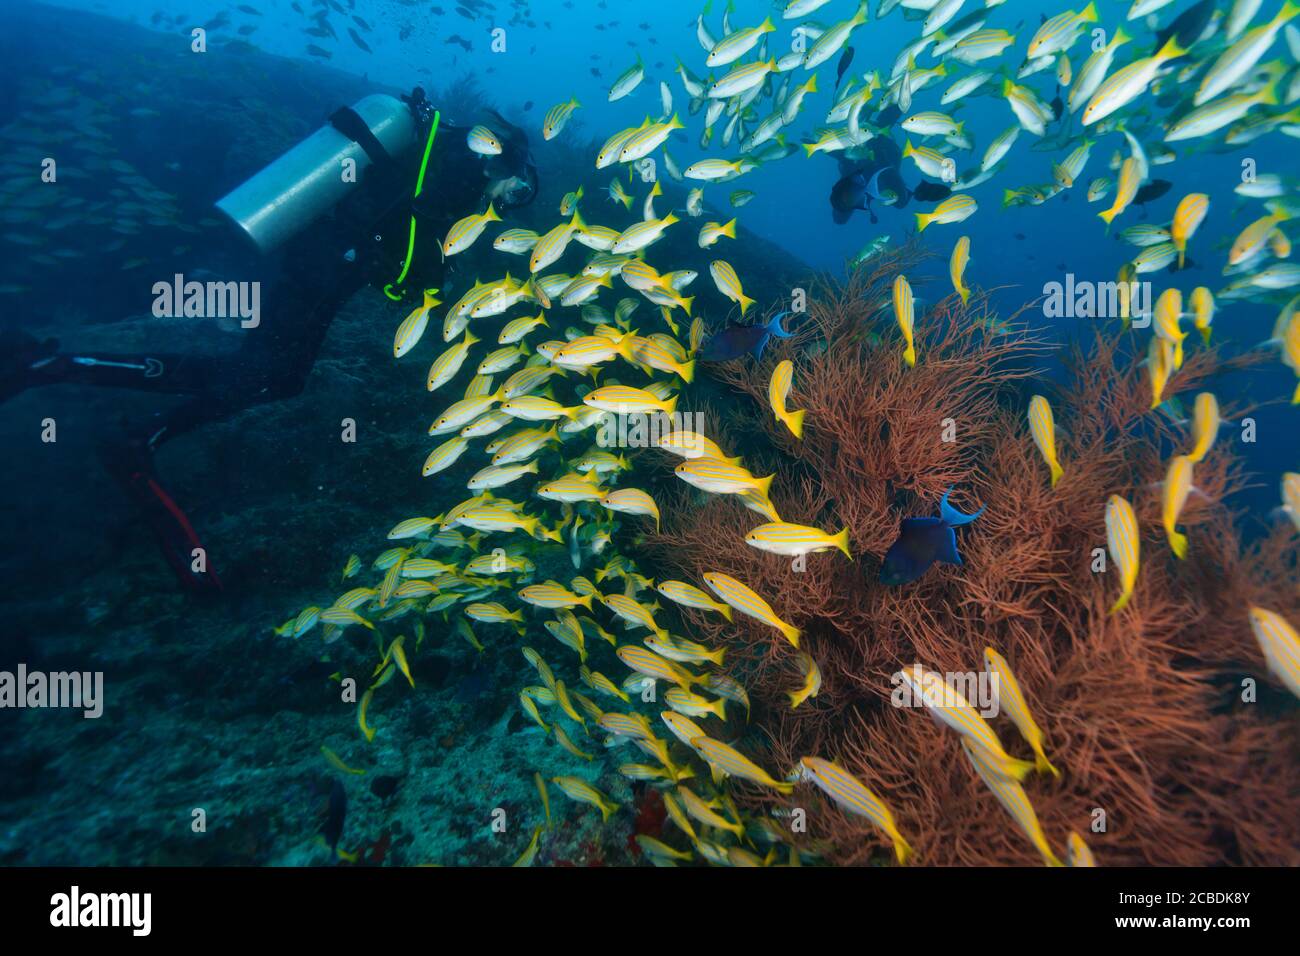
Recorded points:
(923, 541)
(737, 340)
(855, 191)
(845, 59)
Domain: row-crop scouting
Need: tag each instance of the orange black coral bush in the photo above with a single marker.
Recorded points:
(1142, 710)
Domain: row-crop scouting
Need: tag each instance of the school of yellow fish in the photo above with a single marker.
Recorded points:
(658, 704)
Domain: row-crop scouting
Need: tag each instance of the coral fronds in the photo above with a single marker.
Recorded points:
(1162, 760)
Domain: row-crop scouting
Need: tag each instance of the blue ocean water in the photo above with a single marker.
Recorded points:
(550, 51)
(299, 503)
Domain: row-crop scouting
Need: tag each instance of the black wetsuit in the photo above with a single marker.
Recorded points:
(363, 241)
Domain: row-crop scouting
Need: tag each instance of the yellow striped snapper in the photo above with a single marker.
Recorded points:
(1124, 544)
(1042, 426)
(1145, 234)
(1213, 116)
(631, 501)
(1168, 313)
(1280, 644)
(646, 141)
(647, 662)
(999, 148)
(965, 86)
(534, 408)
(633, 612)
(1094, 70)
(1291, 497)
(711, 232)
(642, 234)
(1129, 181)
(947, 705)
(683, 651)
(955, 208)
(1178, 485)
(658, 852)
(740, 80)
(632, 726)
(447, 366)
(556, 118)
(704, 813)
(495, 476)
(1012, 797)
(1205, 426)
(1069, 169)
(492, 612)
(551, 246)
(412, 327)
(812, 681)
(589, 350)
(1031, 112)
(690, 596)
(599, 238)
(490, 519)
(1058, 34)
(1011, 700)
(602, 684)
(1160, 366)
(1252, 239)
(931, 124)
(529, 707)
(483, 141)
(628, 81)
(572, 488)
(957, 267)
(711, 170)
(1202, 303)
(778, 390)
(663, 354)
(499, 360)
(982, 45)
(735, 45)
(931, 162)
(904, 308)
(1155, 258)
(465, 232)
(1077, 852)
(854, 796)
(579, 790)
(625, 400)
(720, 477)
(1125, 85)
(411, 527)
(732, 763)
(830, 42)
(795, 539)
(569, 204)
(523, 445)
(693, 705)
(748, 602)
(462, 413)
(1240, 58)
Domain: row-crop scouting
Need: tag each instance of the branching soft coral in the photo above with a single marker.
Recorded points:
(1142, 710)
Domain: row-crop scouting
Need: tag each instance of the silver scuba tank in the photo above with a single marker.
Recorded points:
(307, 181)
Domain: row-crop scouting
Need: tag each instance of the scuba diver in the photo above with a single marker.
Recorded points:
(873, 171)
(322, 236)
